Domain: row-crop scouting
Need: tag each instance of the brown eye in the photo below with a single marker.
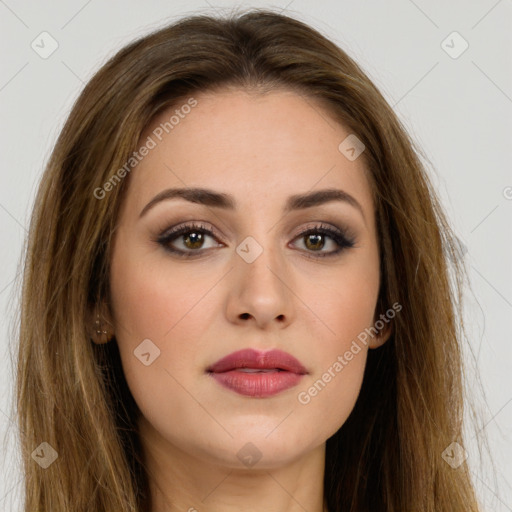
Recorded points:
(193, 240)
(323, 241)
(314, 242)
(188, 240)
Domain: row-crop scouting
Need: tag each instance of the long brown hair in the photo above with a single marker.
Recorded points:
(71, 393)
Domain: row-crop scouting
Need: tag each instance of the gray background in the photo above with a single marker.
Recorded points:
(459, 110)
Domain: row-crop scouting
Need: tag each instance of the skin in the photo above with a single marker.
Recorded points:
(260, 149)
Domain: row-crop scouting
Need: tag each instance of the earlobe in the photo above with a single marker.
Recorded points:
(99, 325)
(382, 336)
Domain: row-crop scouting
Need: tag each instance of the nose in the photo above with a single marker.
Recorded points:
(261, 292)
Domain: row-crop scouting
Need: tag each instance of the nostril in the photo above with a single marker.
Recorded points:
(245, 316)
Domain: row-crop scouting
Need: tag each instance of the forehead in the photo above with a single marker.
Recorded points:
(247, 144)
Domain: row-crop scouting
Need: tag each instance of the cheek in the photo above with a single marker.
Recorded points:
(329, 397)
(152, 310)
(345, 302)
(346, 306)
(330, 392)
(150, 301)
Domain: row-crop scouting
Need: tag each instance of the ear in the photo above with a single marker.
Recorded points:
(100, 327)
(383, 335)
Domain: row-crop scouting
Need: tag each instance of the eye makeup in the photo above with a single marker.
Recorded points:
(193, 235)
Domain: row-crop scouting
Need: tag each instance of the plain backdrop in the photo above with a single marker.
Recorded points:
(445, 67)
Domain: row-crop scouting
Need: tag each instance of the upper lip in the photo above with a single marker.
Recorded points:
(251, 358)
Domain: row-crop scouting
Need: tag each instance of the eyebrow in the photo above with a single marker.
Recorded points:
(215, 199)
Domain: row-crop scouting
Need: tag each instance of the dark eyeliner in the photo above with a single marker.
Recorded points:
(170, 235)
(341, 238)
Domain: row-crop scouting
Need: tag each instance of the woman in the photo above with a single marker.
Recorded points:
(236, 294)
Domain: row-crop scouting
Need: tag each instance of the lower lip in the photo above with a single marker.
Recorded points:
(257, 384)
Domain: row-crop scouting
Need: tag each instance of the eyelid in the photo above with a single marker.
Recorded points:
(189, 226)
(343, 231)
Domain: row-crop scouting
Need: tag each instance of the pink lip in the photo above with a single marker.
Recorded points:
(282, 372)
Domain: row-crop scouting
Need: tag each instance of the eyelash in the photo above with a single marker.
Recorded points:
(341, 238)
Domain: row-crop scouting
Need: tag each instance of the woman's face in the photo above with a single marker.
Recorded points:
(243, 275)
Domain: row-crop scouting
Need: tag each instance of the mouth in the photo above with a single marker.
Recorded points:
(255, 370)
(257, 374)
